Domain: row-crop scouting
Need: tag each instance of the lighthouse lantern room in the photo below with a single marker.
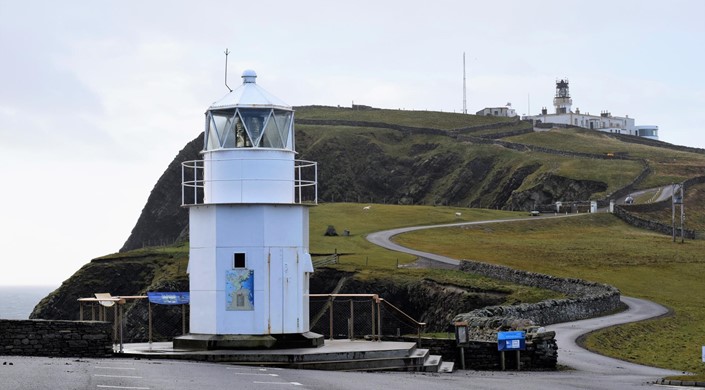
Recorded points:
(248, 200)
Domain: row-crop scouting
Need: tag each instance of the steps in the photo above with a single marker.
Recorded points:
(414, 359)
(334, 355)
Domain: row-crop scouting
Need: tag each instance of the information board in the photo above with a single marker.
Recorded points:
(511, 341)
(169, 298)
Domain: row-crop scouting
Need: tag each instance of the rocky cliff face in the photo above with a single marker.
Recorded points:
(552, 188)
(163, 220)
(119, 275)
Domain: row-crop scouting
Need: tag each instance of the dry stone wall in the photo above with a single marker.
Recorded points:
(625, 213)
(586, 299)
(654, 226)
(55, 338)
(541, 352)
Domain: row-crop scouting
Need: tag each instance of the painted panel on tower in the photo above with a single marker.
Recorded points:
(239, 290)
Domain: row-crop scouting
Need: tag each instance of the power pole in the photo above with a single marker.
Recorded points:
(677, 198)
(465, 102)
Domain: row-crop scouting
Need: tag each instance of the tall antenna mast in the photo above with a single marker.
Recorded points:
(528, 95)
(226, 69)
(465, 102)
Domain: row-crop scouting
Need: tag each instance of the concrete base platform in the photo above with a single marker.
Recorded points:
(248, 342)
(333, 355)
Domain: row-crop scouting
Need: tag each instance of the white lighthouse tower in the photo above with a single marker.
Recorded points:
(562, 101)
(249, 263)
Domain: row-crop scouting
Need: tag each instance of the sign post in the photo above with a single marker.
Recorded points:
(511, 341)
(461, 338)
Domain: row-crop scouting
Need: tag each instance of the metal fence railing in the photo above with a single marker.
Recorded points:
(194, 182)
(135, 319)
(359, 316)
(336, 316)
(323, 261)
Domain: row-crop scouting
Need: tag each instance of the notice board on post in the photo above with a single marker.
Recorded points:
(169, 298)
(511, 341)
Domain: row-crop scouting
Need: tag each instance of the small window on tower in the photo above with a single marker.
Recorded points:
(239, 260)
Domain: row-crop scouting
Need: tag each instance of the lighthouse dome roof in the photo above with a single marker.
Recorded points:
(249, 95)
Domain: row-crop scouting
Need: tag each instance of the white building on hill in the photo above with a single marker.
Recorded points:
(506, 111)
(564, 115)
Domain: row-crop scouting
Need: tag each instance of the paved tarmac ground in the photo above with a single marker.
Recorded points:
(30, 373)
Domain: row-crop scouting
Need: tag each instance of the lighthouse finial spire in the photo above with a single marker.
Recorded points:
(226, 69)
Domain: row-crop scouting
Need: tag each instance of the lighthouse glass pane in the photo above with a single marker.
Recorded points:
(242, 140)
(254, 120)
(228, 135)
(213, 140)
(220, 119)
(271, 137)
(283, 119)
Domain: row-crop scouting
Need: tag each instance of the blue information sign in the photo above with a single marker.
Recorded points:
(168, 298)
(511, 341)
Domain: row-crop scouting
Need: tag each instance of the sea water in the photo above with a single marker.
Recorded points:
(17, 302)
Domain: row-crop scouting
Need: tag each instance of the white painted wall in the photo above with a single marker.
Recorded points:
(249, 175)
(609, 124)
(275, 241)
(497, 111)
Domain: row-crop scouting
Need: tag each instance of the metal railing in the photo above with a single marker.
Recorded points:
(359, 316)
(135, 319)
(104, 301)
(193, 182)
(323, 261)
(301, 167)
(337, 316)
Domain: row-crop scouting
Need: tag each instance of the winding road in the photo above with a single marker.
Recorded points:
(570, 354)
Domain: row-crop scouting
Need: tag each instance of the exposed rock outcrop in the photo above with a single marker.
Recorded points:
(163, 219)
(552, 188)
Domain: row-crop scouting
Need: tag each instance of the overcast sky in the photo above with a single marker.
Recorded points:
(97, 97)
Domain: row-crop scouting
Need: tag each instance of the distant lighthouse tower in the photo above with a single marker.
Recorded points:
(562, 100)
(249, 262)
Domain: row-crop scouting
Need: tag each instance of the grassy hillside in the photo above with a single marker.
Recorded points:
(356, 251)
(371, 261)
(599, 247)
(436, 158)
(431, 119)
(362, 164)
(668, 165)
(419, 157)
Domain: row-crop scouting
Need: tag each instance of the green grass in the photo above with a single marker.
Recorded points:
(615, 173)
(171, 262)
(667, 165)
(600, 248)
(347, 147)
(430, 119)
(370, 261)
(156, 251)
(356, 251)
